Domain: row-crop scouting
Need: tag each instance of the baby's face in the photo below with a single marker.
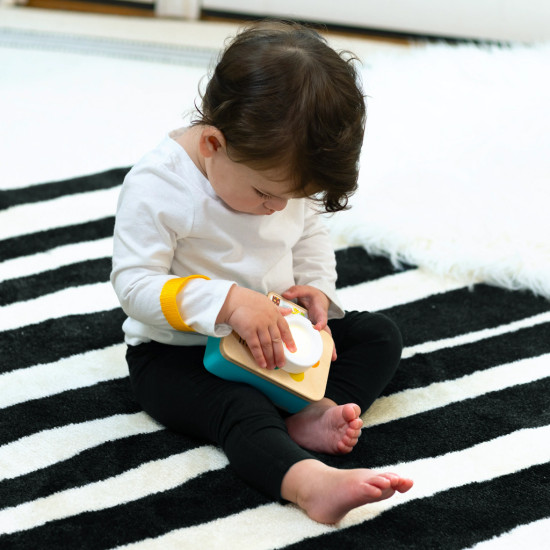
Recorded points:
(246, 190)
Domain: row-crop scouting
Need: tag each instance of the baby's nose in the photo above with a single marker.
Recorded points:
(275, 203)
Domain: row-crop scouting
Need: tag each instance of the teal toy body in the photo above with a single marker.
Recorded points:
(217, 364)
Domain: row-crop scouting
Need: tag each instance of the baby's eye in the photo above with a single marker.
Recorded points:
(262, 195)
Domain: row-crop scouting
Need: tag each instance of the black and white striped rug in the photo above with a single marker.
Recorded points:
(467, 415)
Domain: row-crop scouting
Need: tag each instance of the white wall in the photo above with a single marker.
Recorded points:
(521, 20)
(190, 9)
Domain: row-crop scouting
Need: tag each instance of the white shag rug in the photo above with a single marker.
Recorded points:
(455, 173)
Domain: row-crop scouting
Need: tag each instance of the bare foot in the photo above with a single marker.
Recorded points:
(326, 427)
(327, 494)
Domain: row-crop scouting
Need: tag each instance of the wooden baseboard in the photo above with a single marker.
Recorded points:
(93, 7)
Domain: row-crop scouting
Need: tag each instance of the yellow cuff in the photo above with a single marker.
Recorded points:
(169, 304)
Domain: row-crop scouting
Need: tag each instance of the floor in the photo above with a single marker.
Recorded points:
(208, 32)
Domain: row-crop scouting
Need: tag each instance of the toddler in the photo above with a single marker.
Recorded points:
(226, 210)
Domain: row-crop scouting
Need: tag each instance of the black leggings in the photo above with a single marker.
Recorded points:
(172, 385)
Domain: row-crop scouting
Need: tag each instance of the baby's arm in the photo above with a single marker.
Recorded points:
(256, 319)
(154, 213)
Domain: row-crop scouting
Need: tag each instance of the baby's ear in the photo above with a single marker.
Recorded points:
(211, 140)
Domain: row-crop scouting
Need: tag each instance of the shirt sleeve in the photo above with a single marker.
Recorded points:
(154, 212)
(314, 260)
(200, 302)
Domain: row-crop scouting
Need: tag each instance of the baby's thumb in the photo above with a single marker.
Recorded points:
(318, 317)
(291, 293)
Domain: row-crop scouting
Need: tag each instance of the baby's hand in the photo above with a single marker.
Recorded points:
(260, 323)
(316, 302)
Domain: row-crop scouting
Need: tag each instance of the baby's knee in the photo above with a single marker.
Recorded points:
(388, 331)
(385, 348)
(369, 349)
(375, 331)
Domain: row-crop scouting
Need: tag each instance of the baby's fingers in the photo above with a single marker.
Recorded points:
(278, 348)
(256, 349)
(270, 353)
(267, 349)
(318, 316)
(286, 335)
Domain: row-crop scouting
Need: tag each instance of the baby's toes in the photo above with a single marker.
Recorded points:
(349, 441)
(343, 448)
(346, 443)
(398, 483)
(394, 478)
(404, 485)
(353, 434)
(382, 482)
(350, 412)
(356, 424)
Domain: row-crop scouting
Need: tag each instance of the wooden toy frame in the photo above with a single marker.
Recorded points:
(309, 386)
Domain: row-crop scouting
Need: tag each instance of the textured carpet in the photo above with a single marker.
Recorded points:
(81, 466)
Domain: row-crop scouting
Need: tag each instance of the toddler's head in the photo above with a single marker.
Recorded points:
(284, 99)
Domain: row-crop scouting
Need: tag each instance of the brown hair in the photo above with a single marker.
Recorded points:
(282, 97)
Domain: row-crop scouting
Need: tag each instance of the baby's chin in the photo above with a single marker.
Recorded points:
(264, 213)
(260, 212)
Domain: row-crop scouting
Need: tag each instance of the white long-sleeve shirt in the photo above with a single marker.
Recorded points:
(171, 224)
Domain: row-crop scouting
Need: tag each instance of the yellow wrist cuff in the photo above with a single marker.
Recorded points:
(169, 304)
